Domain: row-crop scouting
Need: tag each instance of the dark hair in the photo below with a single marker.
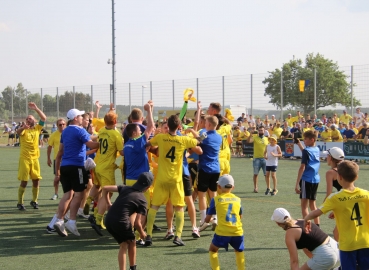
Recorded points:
(348, 170)
(216, 106)
(130, 128)
(173, 122)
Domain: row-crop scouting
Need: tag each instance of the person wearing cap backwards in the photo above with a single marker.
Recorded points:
(227, 207)
(29, 165)
(125, 214)
(70, 168)
(317, 245)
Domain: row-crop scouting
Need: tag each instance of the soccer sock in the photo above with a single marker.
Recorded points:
(240, 260)
(21, 191)
(202, 216)
(35, 191)
(96, 211)
(89, 200)
(99, 219)
(214, 218)
(179, 223)
(137, 235)
(150, 220)
(214, 261)
(52, 222)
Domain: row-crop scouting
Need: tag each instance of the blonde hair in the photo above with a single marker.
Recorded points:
(213, 120)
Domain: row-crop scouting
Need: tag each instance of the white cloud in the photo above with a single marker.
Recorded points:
(4, 27)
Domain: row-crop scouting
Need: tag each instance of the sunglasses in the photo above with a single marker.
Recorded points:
(60, 125)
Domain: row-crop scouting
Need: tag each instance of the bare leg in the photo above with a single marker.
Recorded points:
(274, 177)
(255, 179)
(313, 207)
(191, 210)
(169, 215)
(267, 179)
(122, 255)
(304, 207)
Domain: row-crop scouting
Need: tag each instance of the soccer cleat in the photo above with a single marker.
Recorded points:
(60, 229)
(54, 197)
(97, 228)
(66, 216)
(140, 242)
(86, 209)
(148, 241)
(169, 235)
(267, 191)
(72, 227)
(274, 192)
(92, 219)
(204, 226)
(133, 267)
(195, 233)
(21, 207)
(34, 204)
(214, 224)
(51, 230)
(156, 228)
(81, 214)
(178, 241)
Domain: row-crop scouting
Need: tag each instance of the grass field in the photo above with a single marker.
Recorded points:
(24, 243)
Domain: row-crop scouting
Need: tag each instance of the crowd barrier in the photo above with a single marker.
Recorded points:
(352, 149)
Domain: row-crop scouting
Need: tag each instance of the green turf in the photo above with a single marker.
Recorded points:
(24, 243)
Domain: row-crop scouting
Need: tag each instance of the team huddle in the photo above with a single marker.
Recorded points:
(173, 164)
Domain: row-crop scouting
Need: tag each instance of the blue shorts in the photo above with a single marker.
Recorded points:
(349, 259)
(223, 241)
(259, 163)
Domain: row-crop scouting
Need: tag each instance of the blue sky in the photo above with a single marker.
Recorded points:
(63, 43)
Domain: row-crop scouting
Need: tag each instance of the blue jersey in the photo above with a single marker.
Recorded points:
(310, 157)
(209, 160)
(125, 135)
(135, 157)
(73, 139)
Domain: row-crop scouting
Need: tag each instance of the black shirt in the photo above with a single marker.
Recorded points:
(311, 240)
(129, 201)
(363, 132)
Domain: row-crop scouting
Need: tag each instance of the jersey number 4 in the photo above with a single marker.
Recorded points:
(171, 153)
(231, 217)
(355, 215)
(103, 146)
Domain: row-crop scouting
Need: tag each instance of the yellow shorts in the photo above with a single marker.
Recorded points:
(29, 169)
(147, 193)
(168, 190)
(105, 177)
(225, 167)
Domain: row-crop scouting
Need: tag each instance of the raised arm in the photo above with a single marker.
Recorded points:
(40, 113)
(150, 120)
(197, 118)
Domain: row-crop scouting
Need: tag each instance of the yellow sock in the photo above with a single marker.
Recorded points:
(102, 223)
(99, 218)
(240, 260)
(137, 235)
(179, 223)
(21, 191)
(89, 200)
(35, 191)
(214, 261)
(96, 211)
(150, 221)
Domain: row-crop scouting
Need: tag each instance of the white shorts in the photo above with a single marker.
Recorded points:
(325, 256)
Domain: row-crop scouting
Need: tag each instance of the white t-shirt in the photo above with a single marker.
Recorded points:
(272, 161)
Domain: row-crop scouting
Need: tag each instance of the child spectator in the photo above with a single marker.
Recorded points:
(271, 154)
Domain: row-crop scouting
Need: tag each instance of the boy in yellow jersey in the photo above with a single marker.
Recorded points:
(169, 184)
(54, 142)
(29, 165)
(229, 231)
(351, 210)
(326, 135)
(111, 142)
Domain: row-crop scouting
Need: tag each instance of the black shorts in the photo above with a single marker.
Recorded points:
(73, 178)
(11, 136)
(308, 190)
(207, 181)
(119, 234)
(271, 168)
(192, 167)
(187, 187)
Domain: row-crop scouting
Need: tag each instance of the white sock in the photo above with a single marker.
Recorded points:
(80, 209)
(52, 222)
(202, 216)
(60, 220)
(71, 221)
(214, 218)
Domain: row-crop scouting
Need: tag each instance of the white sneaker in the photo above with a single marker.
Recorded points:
(195, 233)
(54, 197)
(81, 214)
(204, 226)
(72, 227)
(60, 228)
(67, 216)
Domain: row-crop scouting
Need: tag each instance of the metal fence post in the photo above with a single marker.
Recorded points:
(223, 95)
(42, 101)
(92, 98)
(26, 102)
(352, 90)
(173, 93)
(281, 118)
(150, 90)
(57, 102)
(314, 91)
(74, 97)
(12, 105)
(197, 88)
(251, 101)
(129, 93)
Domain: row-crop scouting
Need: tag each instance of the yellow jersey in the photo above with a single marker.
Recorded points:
(326, 136)
(277, 132)
(54, 142)
(111, 141)
(336, 133)
(244, 135)
(351, 211)
(29, 142)
(224, 130)
(236, 134)
(227, 207)
(98, 123)
(345, 118)
(259, 145)
(171, 150)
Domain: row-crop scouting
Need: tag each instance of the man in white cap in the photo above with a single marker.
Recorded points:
(70, 168)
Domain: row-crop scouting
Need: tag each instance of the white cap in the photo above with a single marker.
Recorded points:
(226, 179)
(336, 153)
(14, 123)
(273, 115)
(289, 114)
(73, 113)
(279, 215)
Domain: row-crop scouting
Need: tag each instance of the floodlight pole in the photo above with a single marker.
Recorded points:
(113, 86)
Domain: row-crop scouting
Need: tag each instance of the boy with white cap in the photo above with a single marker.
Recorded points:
(227, 207)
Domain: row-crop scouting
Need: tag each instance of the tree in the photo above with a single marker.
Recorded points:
(332, 87)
